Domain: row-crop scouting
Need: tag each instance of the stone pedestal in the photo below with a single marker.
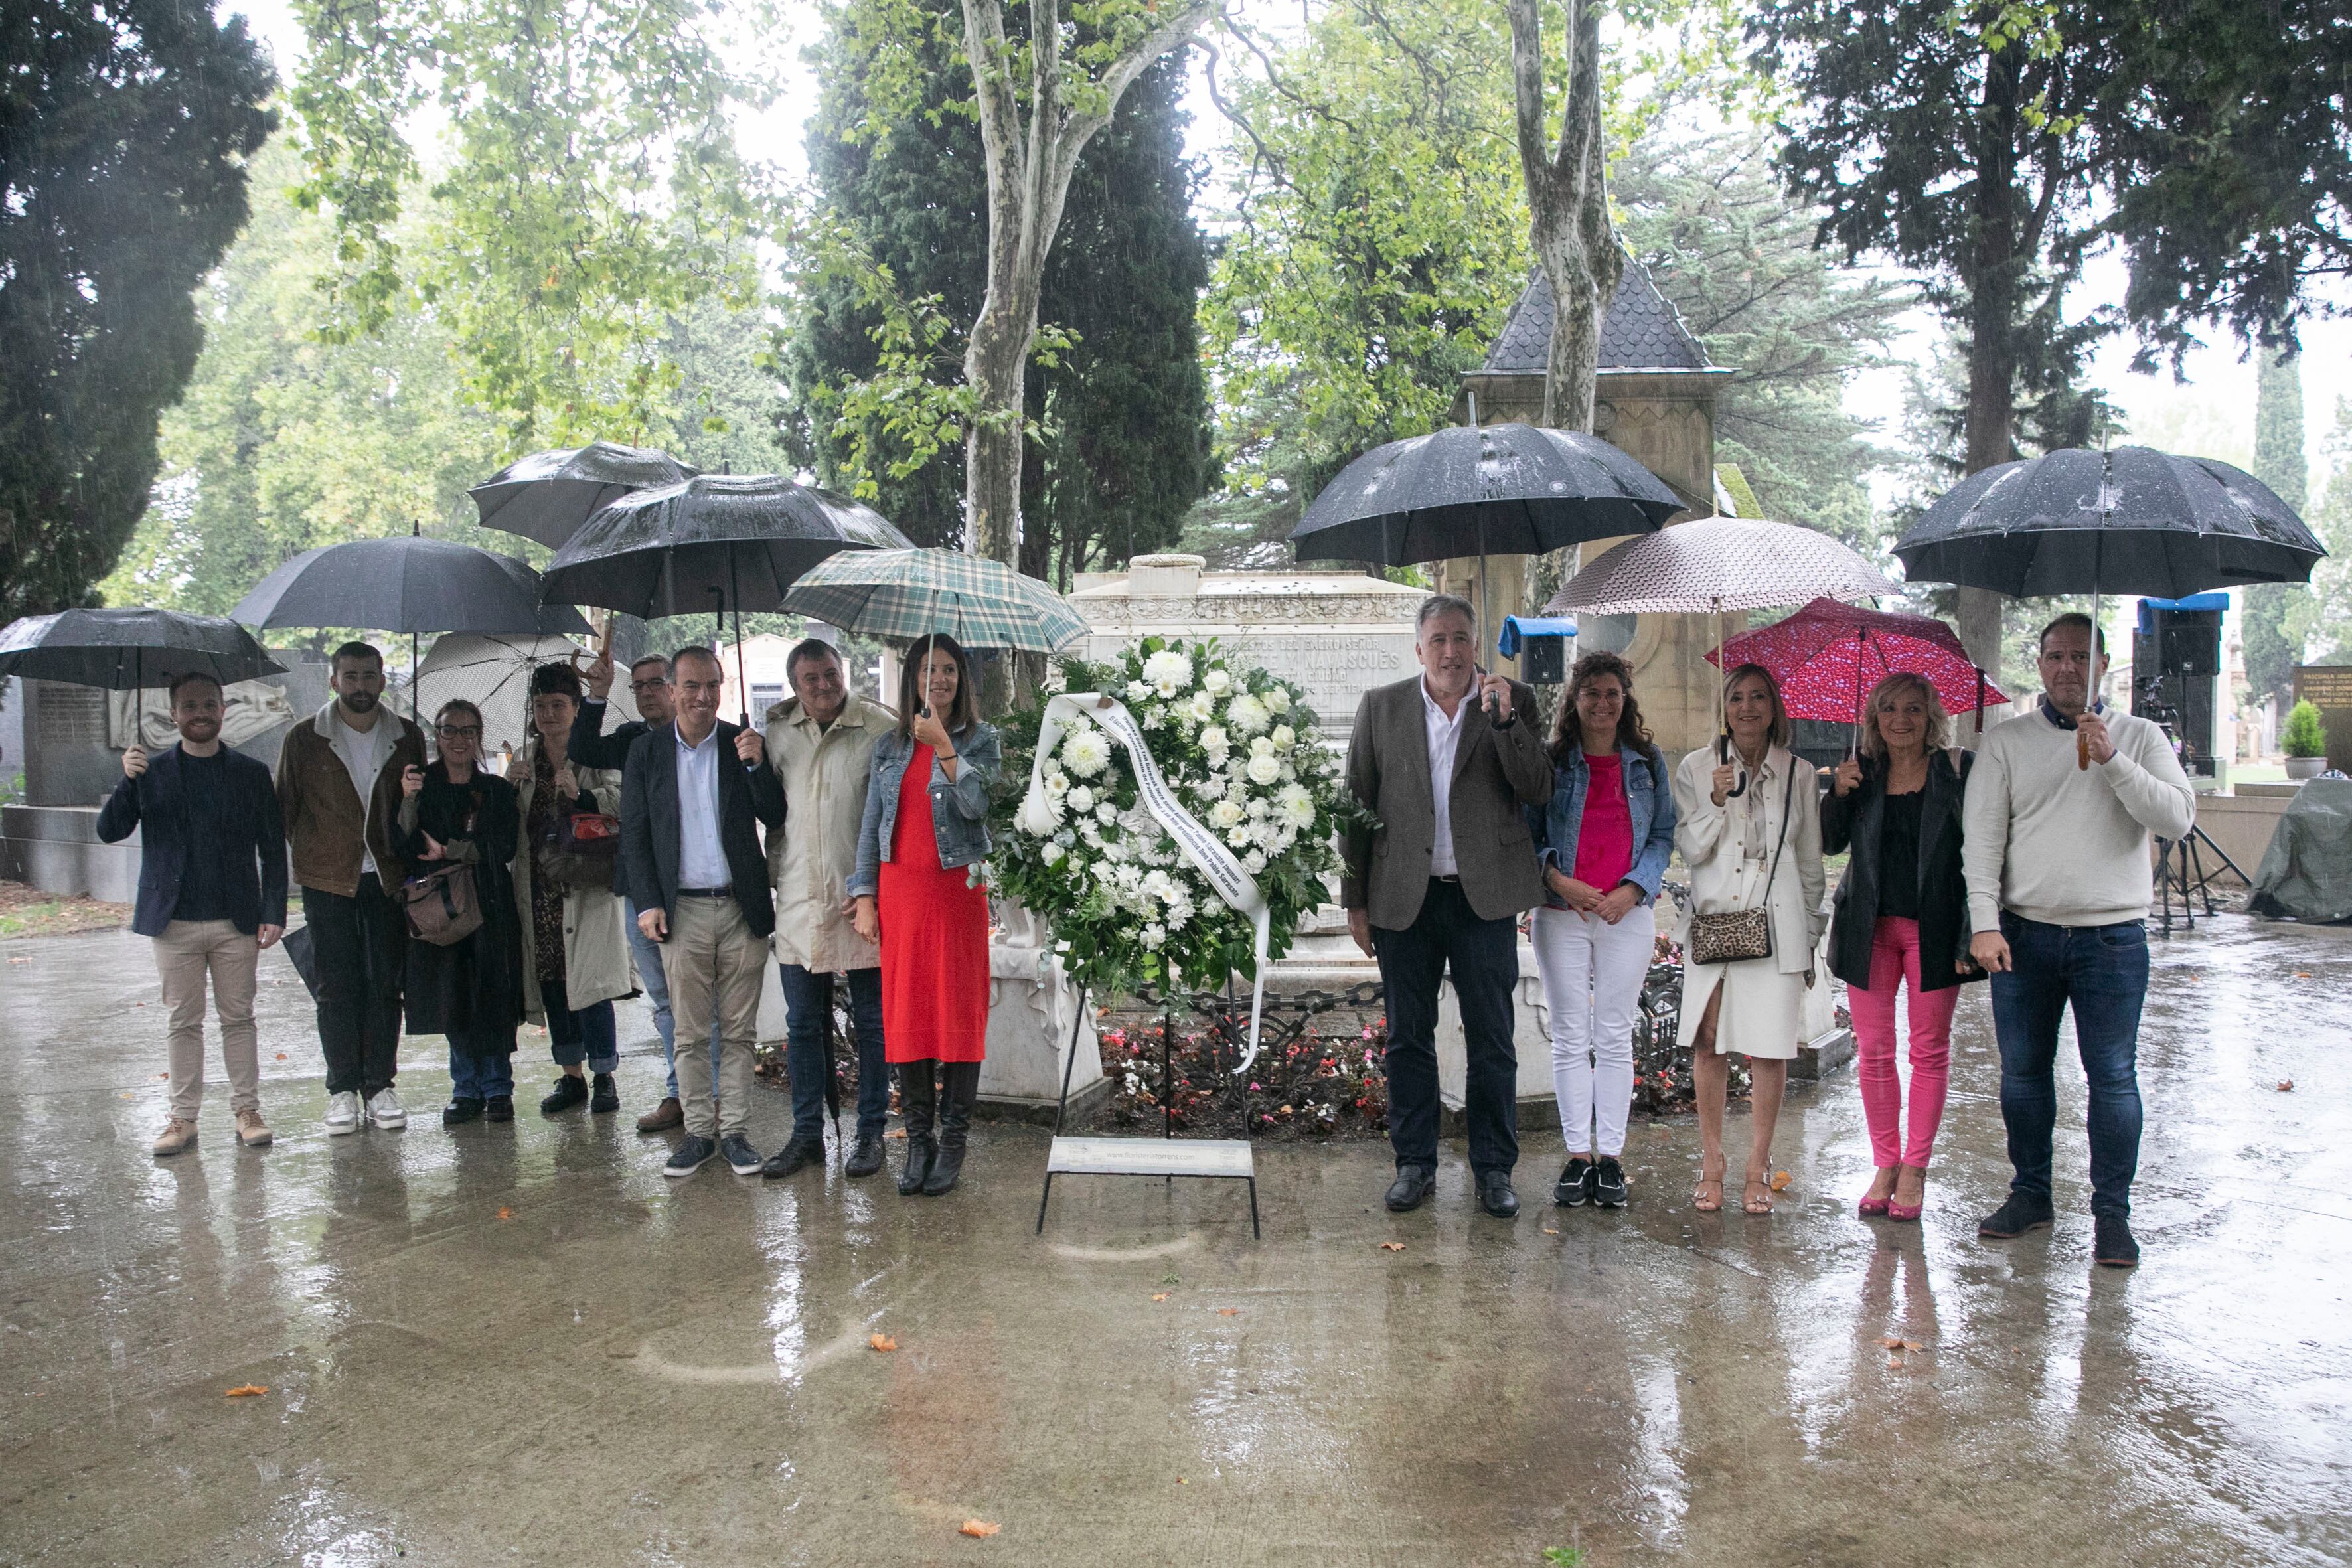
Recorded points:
(1032, 1010)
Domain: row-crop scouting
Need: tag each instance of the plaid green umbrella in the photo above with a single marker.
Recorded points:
(915, 593)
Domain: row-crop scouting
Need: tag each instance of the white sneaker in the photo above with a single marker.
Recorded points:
(385, 1110)
(342, 1113)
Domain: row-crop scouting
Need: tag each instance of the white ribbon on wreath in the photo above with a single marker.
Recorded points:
(1200, 844)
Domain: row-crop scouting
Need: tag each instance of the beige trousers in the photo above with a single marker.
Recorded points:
(714, 963)
(185, 955)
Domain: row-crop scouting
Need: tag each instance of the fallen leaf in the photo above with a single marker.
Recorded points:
(1182, 1482)
(1780, 1181)
(2286, 1086)
(978, 1528)
(506, 1214)
(246, 1391)
(882, 1341)
(2299, 974)
(1229, 1311)
(20, 960)
(1894, 1344)
(1162, 1297)
(162, 1075)
(282, 1056)
(1392, 1247)
(1895, 1364)
(1552, 1230)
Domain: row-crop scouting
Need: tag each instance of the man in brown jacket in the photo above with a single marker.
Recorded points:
(1443, 762)
(339, 789)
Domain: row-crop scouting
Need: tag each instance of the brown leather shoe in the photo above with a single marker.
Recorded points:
(251, 1131)
(662, 1117)
(178, 1135)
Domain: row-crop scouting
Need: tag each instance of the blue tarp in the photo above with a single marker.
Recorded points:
(2194, 601)
(1517, 628)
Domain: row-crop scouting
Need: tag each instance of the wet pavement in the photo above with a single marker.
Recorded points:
(521, 1344)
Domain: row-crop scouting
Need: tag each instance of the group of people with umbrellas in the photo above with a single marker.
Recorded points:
(1998, 863)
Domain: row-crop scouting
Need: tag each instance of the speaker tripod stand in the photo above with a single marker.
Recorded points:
(2180, 862)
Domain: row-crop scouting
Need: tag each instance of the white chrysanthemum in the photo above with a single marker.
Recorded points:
(1137, 691)
(1225, 815)
(1052, 854)
(1081, 799)
(1253, 862)
(1087, 753)
(1246, 715)
(1217, 682)
(1151, 718)
(1179, 913)
(1285, 737)
(1239, 838)
(1167, 672)
(1158, 885)
(1264, 769)
(1154, 935)
(1257, 806)
(1295, 805)
(1057, 783)
(1214, 741)
(1276, 700)
(1130, 877)
(1200, 708)
(1105, 813)
(1087, 831)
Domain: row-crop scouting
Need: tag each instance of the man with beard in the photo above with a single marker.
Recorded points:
(338, 786)
(592, 748)
(212, 895)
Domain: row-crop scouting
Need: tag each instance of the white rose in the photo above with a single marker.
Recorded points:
(1086, 753)
(1263, 746)
(1253, 862)
(1264, 769)
(1167, 672)
(1225, 815)
(1081, 799)
(1276, 700)
(1285, 737)
(1154, 935)
(1053, 854)
(1247, 715)
(1217, 682)
(1214, 740)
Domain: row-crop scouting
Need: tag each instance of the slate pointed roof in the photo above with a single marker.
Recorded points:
(1641, 332)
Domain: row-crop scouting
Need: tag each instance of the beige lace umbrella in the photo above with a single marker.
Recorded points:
(1719, 564)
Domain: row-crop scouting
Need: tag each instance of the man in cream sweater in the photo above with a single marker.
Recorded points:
(2058, 815)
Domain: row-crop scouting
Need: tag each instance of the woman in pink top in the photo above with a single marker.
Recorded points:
(1604, 838)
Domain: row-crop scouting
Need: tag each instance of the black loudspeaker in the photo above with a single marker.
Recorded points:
(1543, 661)
(2176, 679)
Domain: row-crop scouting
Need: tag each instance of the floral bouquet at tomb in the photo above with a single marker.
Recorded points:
(1112, 862)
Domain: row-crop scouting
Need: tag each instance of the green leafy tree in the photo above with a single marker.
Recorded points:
(588, 193)
(124, 127)
(876, 394)
(2274, 639)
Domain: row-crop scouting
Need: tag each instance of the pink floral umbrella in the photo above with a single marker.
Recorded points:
(1828, 655)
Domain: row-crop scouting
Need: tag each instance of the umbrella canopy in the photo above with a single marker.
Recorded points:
(548, 495)
(1507, 489)
(408, 584)
(126, 649)
(718, 541)
(494, 674)
(1827, 654)
(2131, 520)
(1715, 564)
(911, 593)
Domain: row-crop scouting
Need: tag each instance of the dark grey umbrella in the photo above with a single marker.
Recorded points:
(548, 495)
(728, 543)
(1513, 489)
(124, 650)
(2131, 520)
(406, 586)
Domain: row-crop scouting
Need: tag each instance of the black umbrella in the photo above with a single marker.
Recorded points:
(2132, 521)
(1519, 490)
(548, 495)
(124, 650)
(732, 541)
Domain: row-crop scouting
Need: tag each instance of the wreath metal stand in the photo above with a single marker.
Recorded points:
(1220, 1159)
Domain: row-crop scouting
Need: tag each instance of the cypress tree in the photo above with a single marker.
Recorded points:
(2273, 646)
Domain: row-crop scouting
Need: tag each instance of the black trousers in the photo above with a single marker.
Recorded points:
(1484, 957)
(360, 943)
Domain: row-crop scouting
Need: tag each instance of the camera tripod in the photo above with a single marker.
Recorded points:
(2180, 862)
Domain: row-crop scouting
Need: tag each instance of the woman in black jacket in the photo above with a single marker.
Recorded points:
(456, 813)
(1901, 918)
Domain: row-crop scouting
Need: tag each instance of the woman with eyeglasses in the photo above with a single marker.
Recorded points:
(454, 812)
(1749, 827)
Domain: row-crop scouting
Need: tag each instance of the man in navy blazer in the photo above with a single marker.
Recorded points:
(212, 895)
(692, 797)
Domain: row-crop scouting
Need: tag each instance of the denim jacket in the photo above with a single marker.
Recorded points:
(958, 810)
(1648, 801)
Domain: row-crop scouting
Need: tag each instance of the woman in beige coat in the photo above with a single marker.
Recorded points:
(575, 950)
(1749, 826)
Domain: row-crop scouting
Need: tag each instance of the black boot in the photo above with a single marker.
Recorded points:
(955, 1126)
(602, 1095)
(917, 1093)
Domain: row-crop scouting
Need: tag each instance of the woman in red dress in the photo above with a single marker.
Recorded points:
(918, 895)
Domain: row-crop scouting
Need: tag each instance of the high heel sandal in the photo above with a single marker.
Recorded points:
(1870, 1207)
(1756, 1206)
(1909, 1212)
(1699, 1194)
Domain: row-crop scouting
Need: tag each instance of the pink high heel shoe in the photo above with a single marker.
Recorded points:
(1869, 1207)
(1906, 1212)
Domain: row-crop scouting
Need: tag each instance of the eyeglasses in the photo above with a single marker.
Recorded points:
(460, 731)
(655, 685)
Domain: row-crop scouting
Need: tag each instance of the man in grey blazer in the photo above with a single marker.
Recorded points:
(1443, 762)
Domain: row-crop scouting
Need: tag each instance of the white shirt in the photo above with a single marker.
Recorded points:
(365, 753)
(1445, 739)
(701, 862)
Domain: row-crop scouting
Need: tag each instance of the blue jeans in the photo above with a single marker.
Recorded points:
(654, 980)
(588, 1034)
(2102, 972)
(479, 1076)
(808, 1007)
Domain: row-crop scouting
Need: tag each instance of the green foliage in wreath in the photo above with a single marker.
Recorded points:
(1240, 749)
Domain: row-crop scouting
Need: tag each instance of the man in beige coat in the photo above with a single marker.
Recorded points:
(820, 744)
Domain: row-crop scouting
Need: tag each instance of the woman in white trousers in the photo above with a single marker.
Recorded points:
(1604, 838)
